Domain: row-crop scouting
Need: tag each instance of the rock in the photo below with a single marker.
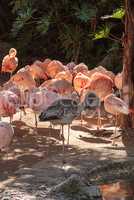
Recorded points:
(74, 188)
(71, 170)
(93, 191)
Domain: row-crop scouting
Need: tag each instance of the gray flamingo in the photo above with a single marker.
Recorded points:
(64, 111)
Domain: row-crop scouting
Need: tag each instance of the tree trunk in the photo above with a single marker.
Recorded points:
(128, 63)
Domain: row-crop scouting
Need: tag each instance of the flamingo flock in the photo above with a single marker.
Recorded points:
(56, 92)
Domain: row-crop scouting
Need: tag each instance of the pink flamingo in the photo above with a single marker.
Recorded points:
(101, 70)
(80, 81)
(10, 61)
(64, 75)
(6, 136)
(80, 68)
(118, 82)
(9, 103)
(53, 68)
(102, 85)
(38, 99)
(62, 87)
(115, 106)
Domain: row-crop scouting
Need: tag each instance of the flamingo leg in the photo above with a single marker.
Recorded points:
(81, 119)
(68, 134)
(120, 93)
(36, 123)
(20, 115)
(11, 119)
(60, 132)
(51, 125)
(11, 75)
(63, 142)
(99, 124)
(115, 131)
(7, 149)
(50, 134)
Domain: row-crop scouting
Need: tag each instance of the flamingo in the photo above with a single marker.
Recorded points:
(62, 87)
(10, 62)
(115, 106)
(53, 68)
(37, 72)
(80, 68)
(102, 85)
(118, 82)
(6, 136)
(38, 99)
(101, 70)
(45, 63)
(64, 75)
(80, 81)
(25, 82)
(64, 111)
(9, 103)
(23, 79)
(70, 66)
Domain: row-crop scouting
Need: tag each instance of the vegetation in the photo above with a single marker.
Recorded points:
(87, 31)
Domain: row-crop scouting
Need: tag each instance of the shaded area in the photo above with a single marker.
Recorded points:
(94, 140)
(28, 148)
(35, 160)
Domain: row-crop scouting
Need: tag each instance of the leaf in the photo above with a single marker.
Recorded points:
(84, 13)
(117, 14)
(19, 4)
(114, 47)
(43, 25)
(24, 15)
(69, 37)
(102, 33)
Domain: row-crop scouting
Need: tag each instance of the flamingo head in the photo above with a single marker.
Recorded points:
(12, 52)
(91, 101)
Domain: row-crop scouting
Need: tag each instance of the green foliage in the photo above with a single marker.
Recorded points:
(24, 15)
(70, 37)
(65, 29)
(18, 4)
(43, 25)
(119, 13)
(84, 12)
(102, 33)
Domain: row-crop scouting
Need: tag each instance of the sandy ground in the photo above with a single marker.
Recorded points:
(35, 161)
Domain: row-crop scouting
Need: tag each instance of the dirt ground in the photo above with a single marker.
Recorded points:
(35, 160)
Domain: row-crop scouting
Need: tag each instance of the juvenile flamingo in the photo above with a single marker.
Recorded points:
(64, 111)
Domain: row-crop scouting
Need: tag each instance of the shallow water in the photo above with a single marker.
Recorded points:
(118, 191)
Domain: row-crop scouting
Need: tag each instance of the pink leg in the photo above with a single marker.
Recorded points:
(115, 131)
(99, 124)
